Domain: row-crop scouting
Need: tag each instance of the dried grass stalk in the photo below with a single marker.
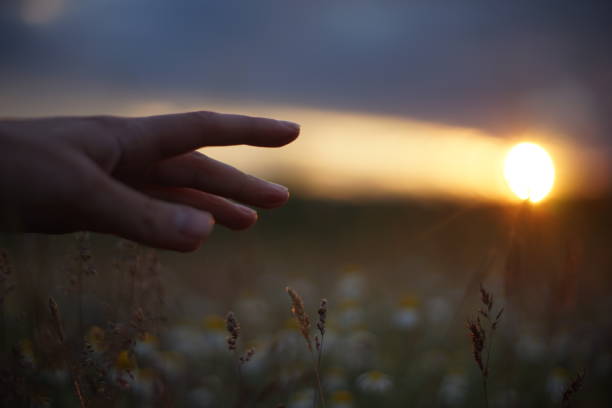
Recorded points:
(297, 310)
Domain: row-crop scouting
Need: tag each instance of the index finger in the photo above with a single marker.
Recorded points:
(170, 135)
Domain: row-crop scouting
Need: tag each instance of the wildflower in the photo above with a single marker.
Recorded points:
(26, 352)
(146, 345)
(302, 399)
(95, 339)
(350, 315)
(407, 316)
(125, 361)
(213, 323)
(374, 381)
(351, 286)
(556, 382)
(341, 399)
(453, 388)
(214, 331)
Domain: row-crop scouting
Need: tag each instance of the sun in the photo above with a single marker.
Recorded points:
(529, 172)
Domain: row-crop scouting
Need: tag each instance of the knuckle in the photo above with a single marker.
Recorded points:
(207, 118)
(149, 224)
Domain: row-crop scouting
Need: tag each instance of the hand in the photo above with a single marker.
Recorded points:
(139, 178)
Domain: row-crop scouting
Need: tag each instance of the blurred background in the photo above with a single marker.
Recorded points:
(400, 208)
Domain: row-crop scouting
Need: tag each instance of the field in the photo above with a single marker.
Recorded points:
(94, 321)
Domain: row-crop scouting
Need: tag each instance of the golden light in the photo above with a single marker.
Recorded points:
(529, 171)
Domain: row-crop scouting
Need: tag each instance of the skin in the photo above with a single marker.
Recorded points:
(138, 178)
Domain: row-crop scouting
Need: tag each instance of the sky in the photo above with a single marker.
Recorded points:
(426, 79)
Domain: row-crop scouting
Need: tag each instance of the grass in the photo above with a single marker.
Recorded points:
(129, 326)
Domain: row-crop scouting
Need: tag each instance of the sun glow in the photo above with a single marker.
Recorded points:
(529, 172)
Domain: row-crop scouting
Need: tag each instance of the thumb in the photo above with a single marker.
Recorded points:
(117, 209)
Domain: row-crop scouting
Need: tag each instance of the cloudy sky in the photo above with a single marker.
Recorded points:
(497, 67)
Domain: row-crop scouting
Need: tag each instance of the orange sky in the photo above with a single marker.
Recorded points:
(359, 155)
(344, 154)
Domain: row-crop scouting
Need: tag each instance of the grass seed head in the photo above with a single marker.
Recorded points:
(478, 336)
(322, 316)
(572, 388)
(246, 357)
(233, 328)
(297, 309)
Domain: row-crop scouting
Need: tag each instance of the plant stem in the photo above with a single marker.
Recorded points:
(486, 373)
(318, 376)
(484, 388)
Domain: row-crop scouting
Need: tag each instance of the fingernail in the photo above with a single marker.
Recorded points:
(278, 193)
(279, 188)
(247, 211)
(291, 125)
(194, 224)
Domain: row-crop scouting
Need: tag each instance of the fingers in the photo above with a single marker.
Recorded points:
(200, 172)
(225, 212)
(117, 209)
(163, 136)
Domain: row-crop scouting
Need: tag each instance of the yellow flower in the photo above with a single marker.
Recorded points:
(214, 322)
(125, 361)
(409, 302)
(27, 351)
(342, 397)
(149, 338)
(95, 337)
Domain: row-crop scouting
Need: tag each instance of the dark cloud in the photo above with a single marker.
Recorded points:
(493, 64)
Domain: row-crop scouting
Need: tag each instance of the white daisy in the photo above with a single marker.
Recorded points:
(302, 399)
(341, 399)
(374, 381)
(453, 389)
(407, 315)
(556, 382)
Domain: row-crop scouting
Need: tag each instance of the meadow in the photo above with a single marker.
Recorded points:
(90, 320)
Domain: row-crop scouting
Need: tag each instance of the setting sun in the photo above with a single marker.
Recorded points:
(529, 171)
